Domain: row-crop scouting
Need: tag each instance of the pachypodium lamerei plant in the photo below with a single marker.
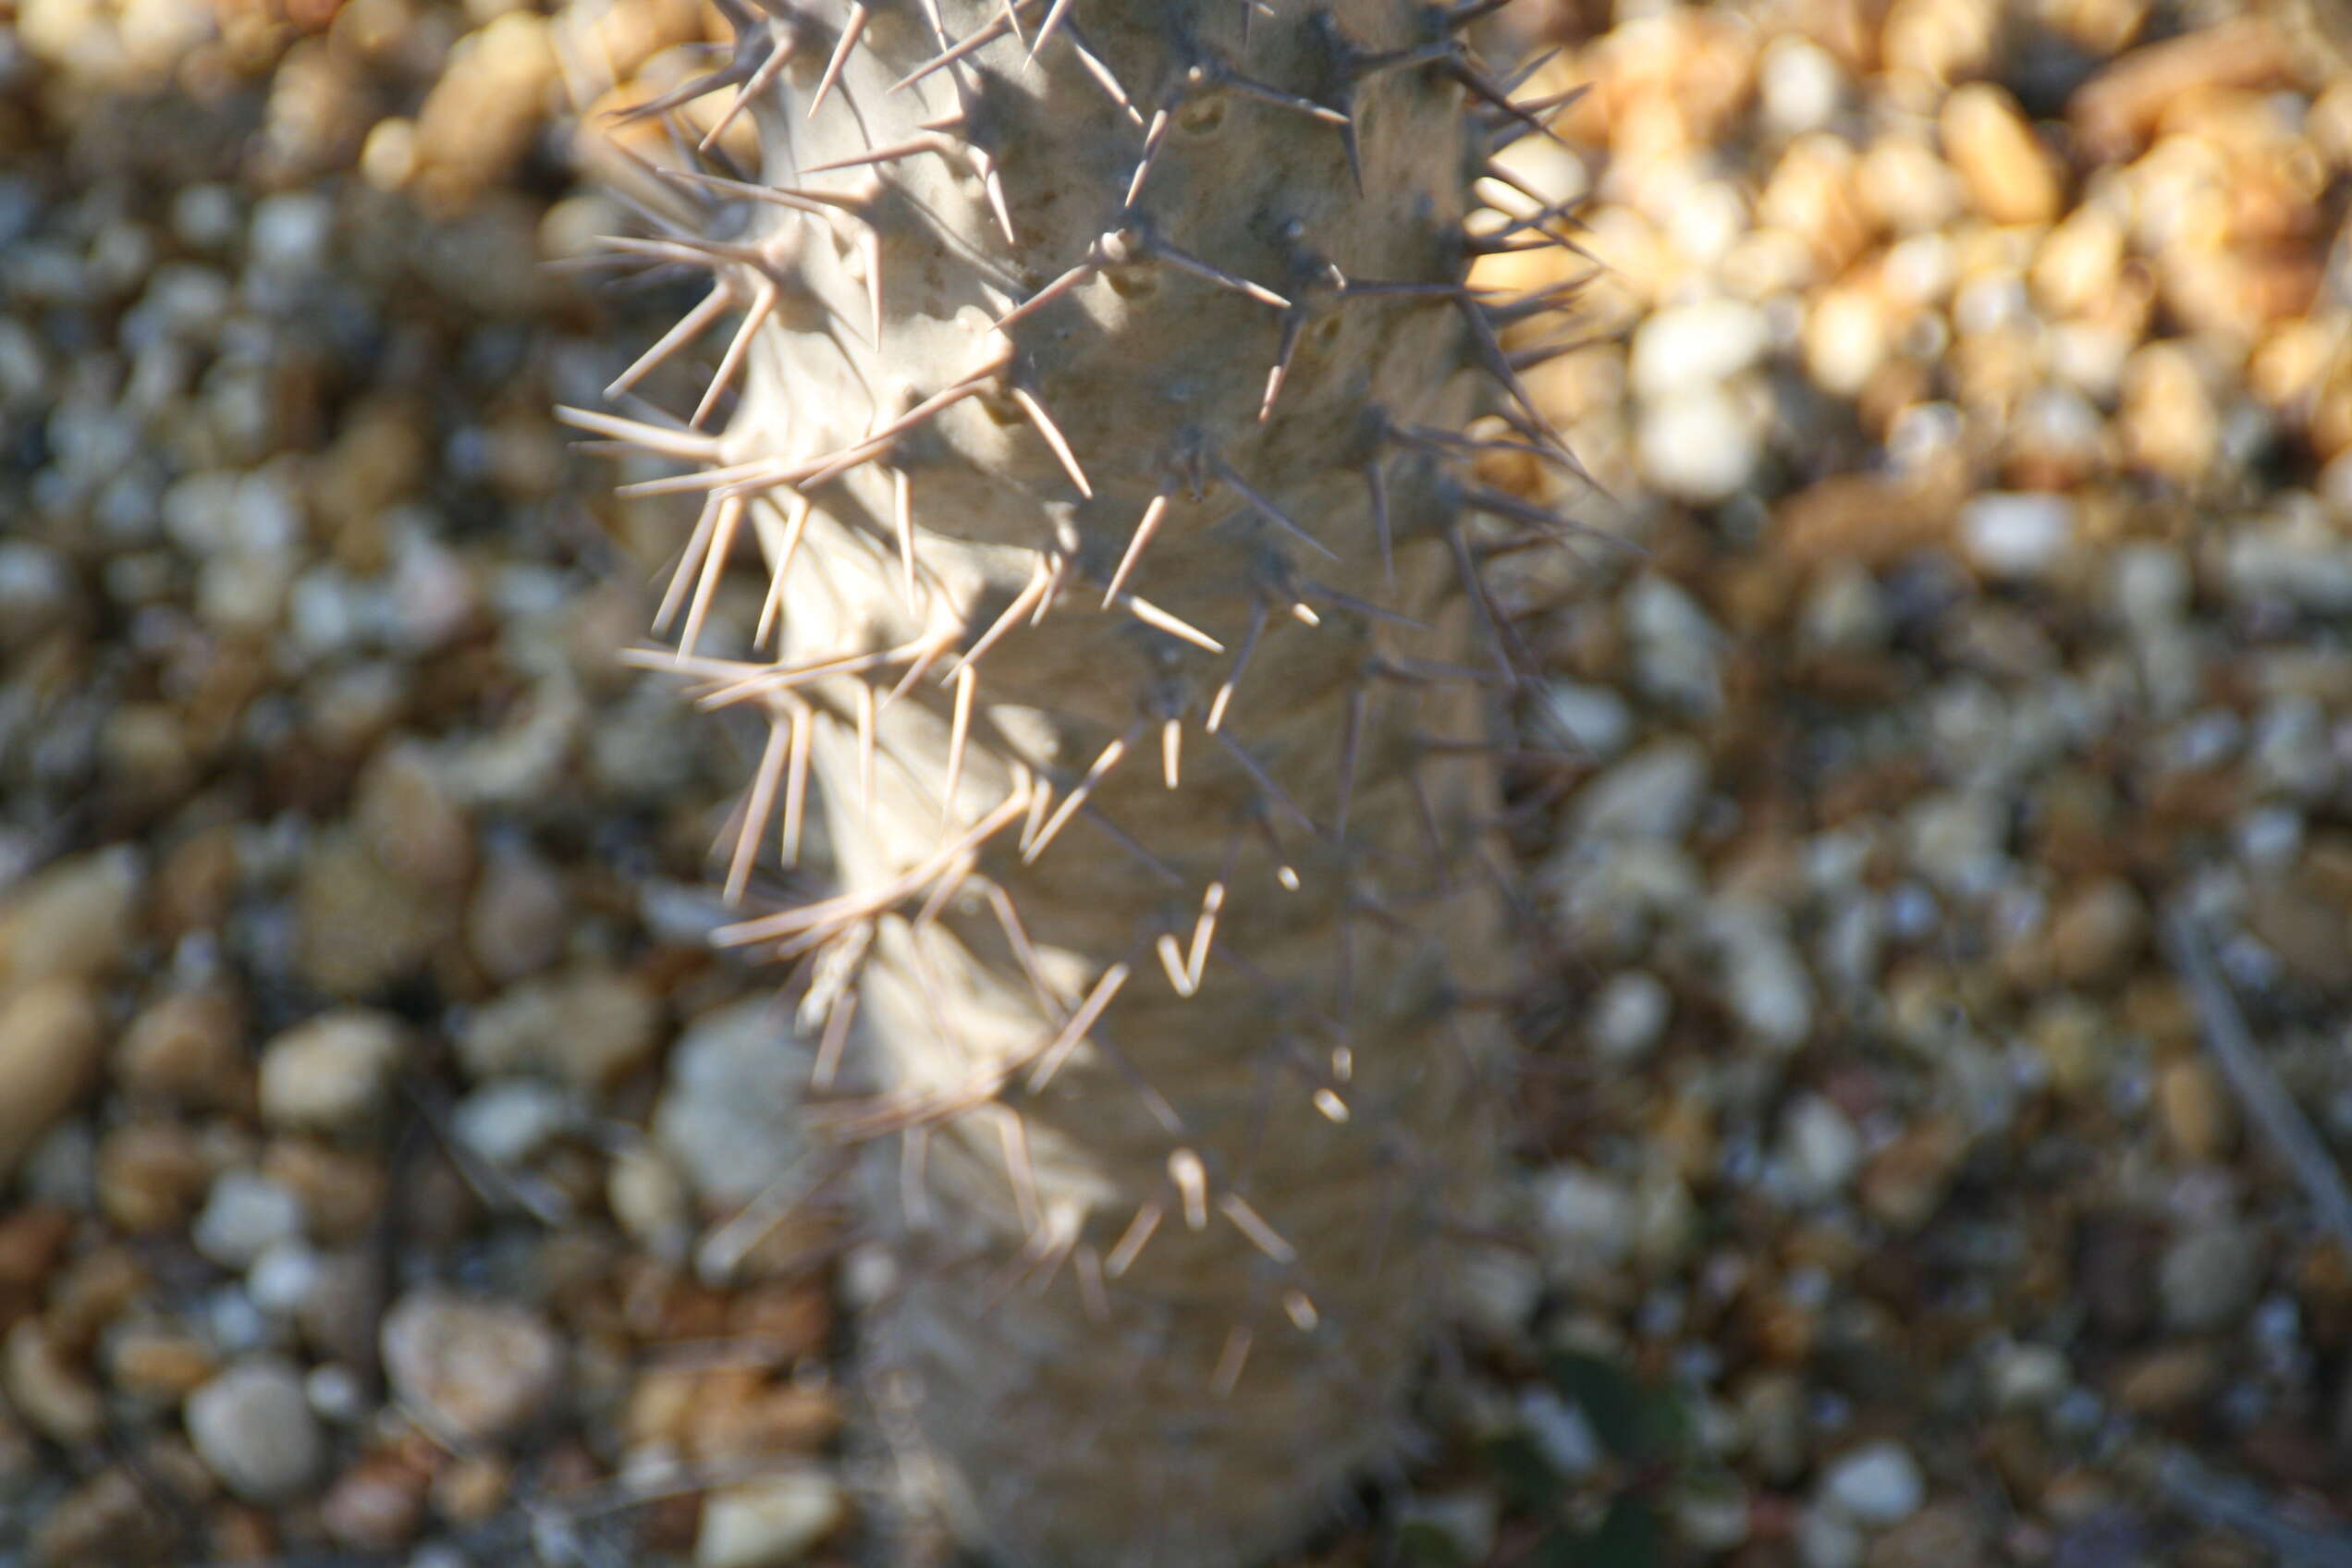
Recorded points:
(1097, 399)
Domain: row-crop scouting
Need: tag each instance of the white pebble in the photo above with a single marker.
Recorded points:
(253, 1429)
(2017, 533)
(1628, 1016)
(1704, 342)
(1801, 84)
(1877, 1484)
(768, 1523)
(244, 1216)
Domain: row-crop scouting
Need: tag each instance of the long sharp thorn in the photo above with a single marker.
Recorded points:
(836, 1036)
(979, 39)
(1375, 482)
(1185, 261)
(1269, 510)
(1282, 100)
(1143, 532)
(1293, 321)
(1218, 704)
(1153, 135)
(903, 530)
(758, 809)
(1131, 1243)
(1089, 1011)
(722, 545)
(1052, 433)
(772, 607)
(1172, 960)
(1171, 750)
(1014, 1138)
(851, 31)
(1101, 73)
(1046, 30)
(1151, 614)
(1350, 755)
(993, 184)
(690, 326)
(958, 731)
(1050, 292)
(1026, 600)
(925, 143)
(796, 784)
(689, 565)
(1267, 784)
(686, 445)
(755, 85)
(1108, 759)
(1252, 1224)
(763, 302)
(1204, 932)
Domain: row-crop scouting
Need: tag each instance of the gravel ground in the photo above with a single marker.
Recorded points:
(1941, 824)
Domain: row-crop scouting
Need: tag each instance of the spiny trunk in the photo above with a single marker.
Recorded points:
(1134, 679)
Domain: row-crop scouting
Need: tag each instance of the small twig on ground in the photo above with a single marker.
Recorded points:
(2258, 1088)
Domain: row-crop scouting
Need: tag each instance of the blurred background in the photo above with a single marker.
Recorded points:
(1940, 826)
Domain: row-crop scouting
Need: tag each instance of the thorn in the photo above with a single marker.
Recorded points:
(1333, 1107)
(763, 300)
(1049, 1061)
(760, 807)
(1185, 261)
(1044, 32)
(1204, 932)
(796, 783)
(1103, 764)
(1229, 1362)
(1131, 1241)
(1153, 135)
(1184, 1169)
(1376, 483)
(928, 143)
(1266, 509)
(772, 607)
(690, 326)
(1497, 94)
(1022, 603)
(1052, 433)
(1017, 937)
(1013, 1136)
(1248, 88)
(1171, 750)
(722, 545)
(850, 31)
(1101, 72)
(829, 1045)
(1172, 959)
(1351, 753)
(1151, 614)
(1267, 785)
(869, 250)
(686, 445)
(1054, 291)
(1293, 321)
(902, 530)
(1250, 1223)
(958, 732)
(1143, 532)
(1224, 697)
(697, 546)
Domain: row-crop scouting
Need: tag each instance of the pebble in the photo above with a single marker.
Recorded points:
(1825, 1539)
(1765, 985)
(2210, 1276)
(47, 1387)
(729, 1113)
(1877, 1484)
(72, 921)
(519, 915)
(1820, 1148)
(187, 1046)
(2016, 536)
(474, 1370)
(1654, 793)
(2097, 934)
(332, 1073)
(1687, 347)
(243, 1217)
(52, 1042)
(1628, 1016)
(1676, 647)
(1589, 1223)
(2009, 176)
(253, 1429)
(768, 1523)
(1591, 722)
(2029, 1377)
(589, 1026)
(1697, 444)
(509, 1120)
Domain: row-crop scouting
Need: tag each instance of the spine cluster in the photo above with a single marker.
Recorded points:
(1100, 392)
